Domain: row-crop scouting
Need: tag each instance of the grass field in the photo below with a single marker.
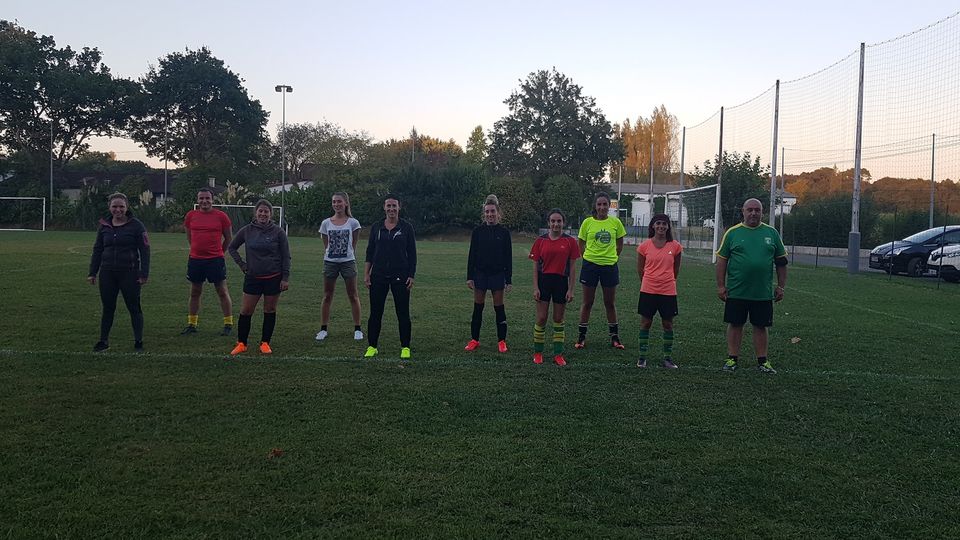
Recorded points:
(857, 436)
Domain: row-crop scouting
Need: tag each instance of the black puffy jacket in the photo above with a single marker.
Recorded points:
(123, 247)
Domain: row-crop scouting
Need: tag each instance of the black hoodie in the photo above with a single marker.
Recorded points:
(121, 247)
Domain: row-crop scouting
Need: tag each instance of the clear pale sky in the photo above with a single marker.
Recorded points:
(446, 67)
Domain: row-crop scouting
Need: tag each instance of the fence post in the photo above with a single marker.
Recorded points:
(853, 244)
(716, 208)
(933, 162)
(773, 163)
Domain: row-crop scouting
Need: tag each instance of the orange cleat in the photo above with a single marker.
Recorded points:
(240, 348)
(558, 360)
(265, 348)
(502, 346)
(472, 345)
(537, 358)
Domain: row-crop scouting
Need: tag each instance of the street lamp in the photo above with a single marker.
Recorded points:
(283, 89)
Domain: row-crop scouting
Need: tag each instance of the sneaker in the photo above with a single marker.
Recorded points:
(642, 362)
(404, 353)
(240, 348)
(265, 348)
(615, 343)
(580, 344)
(502, 346)
(321, 335)
(668, 363)
(138, 346)
(767, 367)
(101, 346)
(730, 365)
(472, 345)
(371, 352)
(358, 335)
(537, 358)
(227, 330)
(558, 360)
(190, 329)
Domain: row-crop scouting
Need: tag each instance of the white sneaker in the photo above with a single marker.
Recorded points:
(358, 335)
(321, 335)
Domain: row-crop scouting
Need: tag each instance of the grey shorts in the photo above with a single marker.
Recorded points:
(333, 270)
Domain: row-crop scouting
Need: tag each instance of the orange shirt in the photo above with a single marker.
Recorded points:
(658, 275)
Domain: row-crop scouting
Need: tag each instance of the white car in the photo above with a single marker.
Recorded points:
(946, 261)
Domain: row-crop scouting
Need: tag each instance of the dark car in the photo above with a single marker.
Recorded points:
(910, 255)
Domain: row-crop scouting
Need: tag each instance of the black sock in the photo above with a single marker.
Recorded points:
(733, 357)
(581, 332)
(476, 321)
(356, 328)
(614, 332)
(323, 327)
(243, 328)
(269, 323)
(761, 360)
(501, 312)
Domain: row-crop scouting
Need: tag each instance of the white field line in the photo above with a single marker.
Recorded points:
(878, 312)
(388, 359)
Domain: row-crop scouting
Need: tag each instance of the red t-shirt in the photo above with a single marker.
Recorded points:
(658, 275)
(206, 233)
(555, 256)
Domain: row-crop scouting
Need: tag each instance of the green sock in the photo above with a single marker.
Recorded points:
(538, 339)
(667, 343)
(558, 338)
(644, 340)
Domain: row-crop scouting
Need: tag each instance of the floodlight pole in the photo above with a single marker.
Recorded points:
(283, 89)
(716, 203)
(773, 163)
(853, 243)
(933, 163)
(683, 150)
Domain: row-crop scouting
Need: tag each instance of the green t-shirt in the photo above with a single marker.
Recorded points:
(750, 253)
(601, 237)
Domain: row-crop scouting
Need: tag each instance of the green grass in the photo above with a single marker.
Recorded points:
(857, 436)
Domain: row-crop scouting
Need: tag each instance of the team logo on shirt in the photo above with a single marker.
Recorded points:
(769, 241)
(602, 236)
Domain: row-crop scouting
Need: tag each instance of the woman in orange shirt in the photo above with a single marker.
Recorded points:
(658, 265)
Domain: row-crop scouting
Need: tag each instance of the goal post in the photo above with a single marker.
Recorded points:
(241, 214)
(695, 218)
(23, 213)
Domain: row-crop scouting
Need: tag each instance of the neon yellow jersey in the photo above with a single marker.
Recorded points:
(601, 237)
(750, 252)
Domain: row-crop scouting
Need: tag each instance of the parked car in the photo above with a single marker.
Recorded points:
(910, 255)
(946, 261)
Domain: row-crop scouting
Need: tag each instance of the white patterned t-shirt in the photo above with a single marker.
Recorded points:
(339, 240)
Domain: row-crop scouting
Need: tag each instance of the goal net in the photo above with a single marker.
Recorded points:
(241, 214)
(23, 213)
(696, 220)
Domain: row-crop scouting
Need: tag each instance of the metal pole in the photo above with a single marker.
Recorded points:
(619, 183)
(683, 150)
(783, 185)
(853, 243)
(652, 210)
(51, 169)
(716, 203)
(283, 152)
(933, 162)
(43, 216)
(773, 163)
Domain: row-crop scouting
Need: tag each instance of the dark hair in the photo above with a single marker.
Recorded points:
(346, 198)
(389, 196)
(556, 211)
(599, 195)
(660, 217)
(208, 190)
(263, 202)
(117, 195)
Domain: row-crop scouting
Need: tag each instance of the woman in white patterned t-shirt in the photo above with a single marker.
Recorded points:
(340, 233)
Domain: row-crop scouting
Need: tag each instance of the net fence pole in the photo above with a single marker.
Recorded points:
(933, 163)
(716, 205)
(683, 150)
(43, 215)
(773, 162)
(51, 169)
(783, 186)
(853, 243)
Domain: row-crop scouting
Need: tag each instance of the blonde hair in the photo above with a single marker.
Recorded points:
(491, 199)
(118, 195)
(346, 199)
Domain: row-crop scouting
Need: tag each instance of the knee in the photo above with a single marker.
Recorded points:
(668, 325)
(328, 295)
(195, 292)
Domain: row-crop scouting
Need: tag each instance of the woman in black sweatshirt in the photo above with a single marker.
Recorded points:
(390, 265)
(121, 257)
(489, 268)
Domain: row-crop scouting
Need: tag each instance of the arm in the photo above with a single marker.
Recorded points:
(186, 228)
(536, 282)
(227, 237)
(95, 258)
(508, 267)
(366, 273)
(235, 244)
(676, 265)
(641, 263)
(371, 251)
(571, 281)
(722, 278)
(472, 257)
(411, 256)
(284, 259)
(355, 237)
(781, 263)
(144, 248)
(619, 245)
(582, 244)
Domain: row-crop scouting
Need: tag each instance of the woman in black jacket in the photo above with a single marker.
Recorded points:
(390, 265)
(489, 268)
(121, 257)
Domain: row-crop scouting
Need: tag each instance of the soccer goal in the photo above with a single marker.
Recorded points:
(23, 213)
(695, 215)
(241, 214)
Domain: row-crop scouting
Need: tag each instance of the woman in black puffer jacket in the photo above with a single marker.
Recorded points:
(121, 257)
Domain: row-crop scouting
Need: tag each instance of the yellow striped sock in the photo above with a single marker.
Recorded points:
(193, 320)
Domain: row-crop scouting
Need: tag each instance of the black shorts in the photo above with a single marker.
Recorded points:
(650, 304)
(760, 311)
(212, 270)
(489, 282)
(257, 286)
(607, 275)
(553, 288)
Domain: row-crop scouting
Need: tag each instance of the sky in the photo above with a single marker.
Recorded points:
(446, 67)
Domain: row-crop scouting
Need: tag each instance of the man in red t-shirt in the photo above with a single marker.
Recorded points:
(208, 234)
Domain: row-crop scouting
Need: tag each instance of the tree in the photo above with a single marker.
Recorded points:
(566, 194)
(477, 146)
(743, 178)
(41, 83)
(661, 128)
(198, 109)
(552, 129)
(323, 144)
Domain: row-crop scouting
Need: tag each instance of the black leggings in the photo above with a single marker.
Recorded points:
(125, 282)
(401, 302)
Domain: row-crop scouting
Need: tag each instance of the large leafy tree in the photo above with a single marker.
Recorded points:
(552, 129)
(661, 128)
(197, 108)
(42, 84)
(477, 146)
(323, 143)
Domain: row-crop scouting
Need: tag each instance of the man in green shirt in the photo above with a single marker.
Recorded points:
(748, 255)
